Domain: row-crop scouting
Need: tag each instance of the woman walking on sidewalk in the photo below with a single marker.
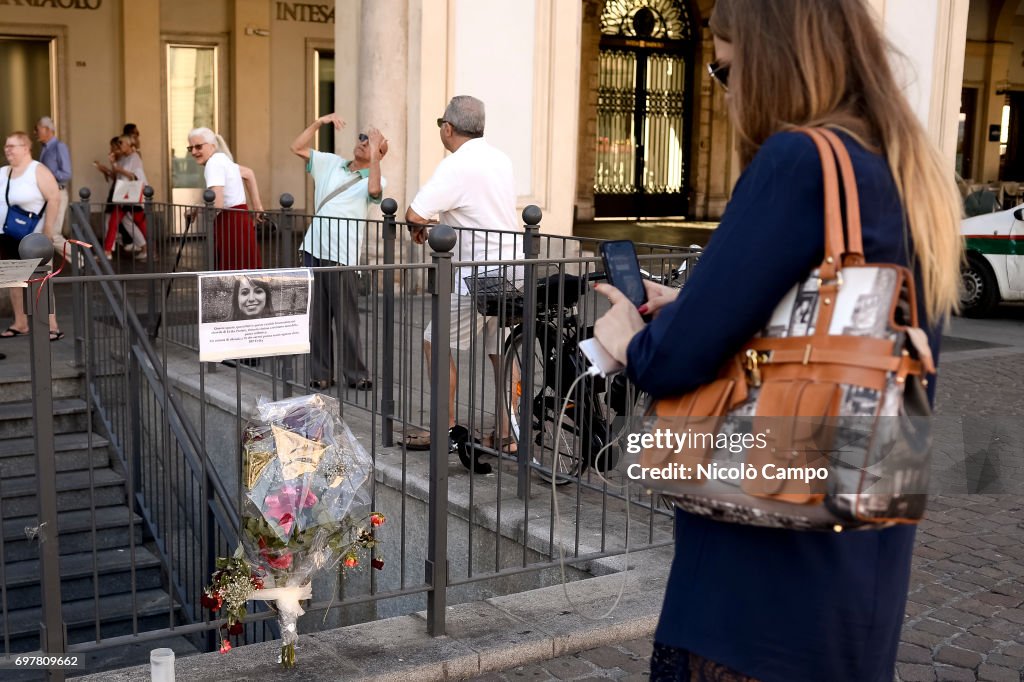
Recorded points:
(128, 164)
(753, 603)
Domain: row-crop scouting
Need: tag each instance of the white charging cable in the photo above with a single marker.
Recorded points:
(592, 371)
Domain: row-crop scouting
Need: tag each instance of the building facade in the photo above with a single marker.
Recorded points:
(604, 105)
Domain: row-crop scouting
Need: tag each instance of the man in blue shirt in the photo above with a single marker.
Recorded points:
(55, 156)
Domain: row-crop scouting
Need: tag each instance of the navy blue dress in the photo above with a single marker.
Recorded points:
(776, 605)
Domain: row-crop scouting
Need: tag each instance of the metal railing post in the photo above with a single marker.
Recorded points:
(80, 212)
(286, 257)
(286, 254)
(442, 241)
(531, 249)
(51, 626)
(389, 207)
(208, 216)
(147, 207)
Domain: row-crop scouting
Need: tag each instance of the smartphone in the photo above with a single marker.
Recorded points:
(623, 270)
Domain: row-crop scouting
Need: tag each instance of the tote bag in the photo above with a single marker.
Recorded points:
(128, 191)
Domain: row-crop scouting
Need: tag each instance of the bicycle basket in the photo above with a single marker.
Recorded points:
(496, 296)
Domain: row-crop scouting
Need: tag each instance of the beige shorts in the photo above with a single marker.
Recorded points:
(467, 323)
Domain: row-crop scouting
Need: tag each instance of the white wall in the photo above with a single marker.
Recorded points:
(493, 60)
(522, 59)
(932, 35)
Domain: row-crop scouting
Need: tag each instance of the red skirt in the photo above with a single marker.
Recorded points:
(234, 235)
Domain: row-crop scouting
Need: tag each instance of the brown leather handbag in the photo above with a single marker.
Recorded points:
(820, 422)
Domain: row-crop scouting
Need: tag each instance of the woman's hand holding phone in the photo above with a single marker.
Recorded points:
(658, 296)
(617, 327)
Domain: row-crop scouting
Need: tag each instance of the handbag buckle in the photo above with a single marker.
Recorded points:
(752, 364)
(838, 280)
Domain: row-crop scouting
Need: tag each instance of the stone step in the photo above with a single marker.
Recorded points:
(65, 382)
(81, 579)
(76, 532)
(19, 496)
(16, 418)
(151, 608)
(18, 455)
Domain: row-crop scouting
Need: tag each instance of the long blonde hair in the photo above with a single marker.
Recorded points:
(825, 63)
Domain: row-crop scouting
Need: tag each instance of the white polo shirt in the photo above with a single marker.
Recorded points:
(474, 187)
(220, 171)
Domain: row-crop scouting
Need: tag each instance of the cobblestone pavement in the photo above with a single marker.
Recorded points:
(626, 661)
(965, 610)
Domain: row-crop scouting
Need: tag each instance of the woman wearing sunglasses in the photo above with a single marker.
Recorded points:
(235, 246)
(747, 602)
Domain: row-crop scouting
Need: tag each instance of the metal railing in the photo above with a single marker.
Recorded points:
(173, 423)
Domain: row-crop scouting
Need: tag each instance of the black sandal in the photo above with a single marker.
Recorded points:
(321, 384)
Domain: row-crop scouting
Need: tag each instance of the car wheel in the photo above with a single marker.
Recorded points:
(979, 293)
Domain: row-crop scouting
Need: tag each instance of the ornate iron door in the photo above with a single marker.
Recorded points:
(643, 109)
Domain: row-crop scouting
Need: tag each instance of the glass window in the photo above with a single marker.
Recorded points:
(325, 97)
(191, 103)
(26, 83)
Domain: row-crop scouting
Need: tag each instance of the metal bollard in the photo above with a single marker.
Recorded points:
(442, 241)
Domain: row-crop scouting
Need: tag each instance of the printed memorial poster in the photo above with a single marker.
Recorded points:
(254, 313)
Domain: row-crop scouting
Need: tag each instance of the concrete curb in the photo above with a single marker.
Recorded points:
(484, 636)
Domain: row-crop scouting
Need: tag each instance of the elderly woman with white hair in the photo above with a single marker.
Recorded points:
(235, 244)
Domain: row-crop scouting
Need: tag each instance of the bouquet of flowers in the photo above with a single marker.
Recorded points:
(303, 472)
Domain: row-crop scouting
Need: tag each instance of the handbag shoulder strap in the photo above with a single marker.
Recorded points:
(344, 186)
(7, 191)
(835, 236)
(854, 254)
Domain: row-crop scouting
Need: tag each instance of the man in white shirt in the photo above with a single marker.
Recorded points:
(474, 187)
(343, 192)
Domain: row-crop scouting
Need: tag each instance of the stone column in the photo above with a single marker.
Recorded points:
(250, 92)
(143, 96)
(383, 87)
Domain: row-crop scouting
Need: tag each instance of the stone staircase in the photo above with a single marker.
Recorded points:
(104, 553)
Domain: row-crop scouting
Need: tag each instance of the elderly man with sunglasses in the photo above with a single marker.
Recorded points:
(473, 187)
(343, 192)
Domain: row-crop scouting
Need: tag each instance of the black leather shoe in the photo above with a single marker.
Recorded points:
(458, 440)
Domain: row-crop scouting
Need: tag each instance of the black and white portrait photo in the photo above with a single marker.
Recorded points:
(254, 313)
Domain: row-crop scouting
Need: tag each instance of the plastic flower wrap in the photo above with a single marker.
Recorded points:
(304, 475)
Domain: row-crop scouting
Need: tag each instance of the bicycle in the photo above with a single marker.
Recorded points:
(589, 423)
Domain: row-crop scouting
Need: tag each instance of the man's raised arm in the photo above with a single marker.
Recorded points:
(301, 145)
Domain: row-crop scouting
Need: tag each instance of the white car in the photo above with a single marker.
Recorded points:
(995, 261)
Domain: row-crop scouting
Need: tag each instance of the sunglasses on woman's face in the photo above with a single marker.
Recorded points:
(720, 72)
(195, 146)
(363, 137)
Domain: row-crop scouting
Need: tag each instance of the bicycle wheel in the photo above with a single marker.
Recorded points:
(562, 453)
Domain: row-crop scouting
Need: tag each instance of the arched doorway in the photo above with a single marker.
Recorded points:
(645, 76)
